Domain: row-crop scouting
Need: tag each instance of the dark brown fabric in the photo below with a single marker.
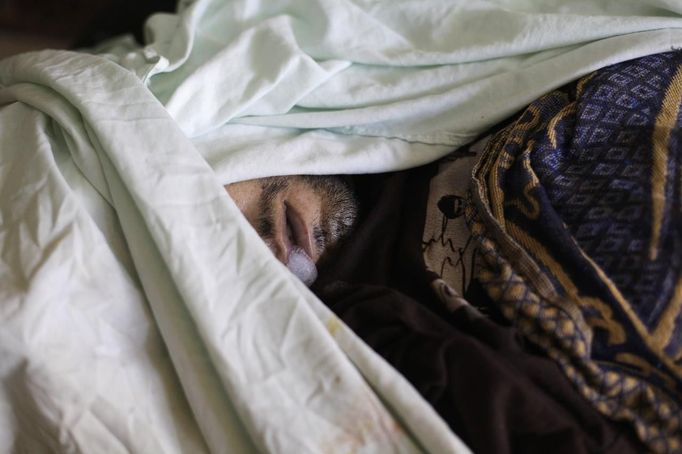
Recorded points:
(497, 394)
(386, 244)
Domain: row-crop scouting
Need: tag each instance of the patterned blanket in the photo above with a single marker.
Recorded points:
(576, 210)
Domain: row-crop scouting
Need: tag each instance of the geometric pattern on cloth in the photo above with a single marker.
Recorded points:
(600, 182)
(576, 210)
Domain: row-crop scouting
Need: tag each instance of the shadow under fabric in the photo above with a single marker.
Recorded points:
(495, 392)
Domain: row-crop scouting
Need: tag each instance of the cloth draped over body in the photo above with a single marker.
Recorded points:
(577, 210)
(139, 311)
(361, 86)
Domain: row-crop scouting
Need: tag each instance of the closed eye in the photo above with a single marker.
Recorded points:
(289, 227)
(320, 238)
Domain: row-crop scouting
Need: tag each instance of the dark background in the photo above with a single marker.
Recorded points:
(37, 24)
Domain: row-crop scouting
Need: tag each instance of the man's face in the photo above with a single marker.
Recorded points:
(299, 217)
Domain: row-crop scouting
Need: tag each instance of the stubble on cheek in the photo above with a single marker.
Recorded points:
(339, 211)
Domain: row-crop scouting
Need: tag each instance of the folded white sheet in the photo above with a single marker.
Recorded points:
(139, 312)
(394, 84)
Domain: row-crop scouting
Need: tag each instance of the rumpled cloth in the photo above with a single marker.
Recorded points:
(358, 86)
(497, 391)
(140, 312)
(576, 208)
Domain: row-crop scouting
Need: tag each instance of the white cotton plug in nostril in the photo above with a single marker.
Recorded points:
(301, 265)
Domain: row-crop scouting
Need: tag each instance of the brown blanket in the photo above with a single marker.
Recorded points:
(497, 393)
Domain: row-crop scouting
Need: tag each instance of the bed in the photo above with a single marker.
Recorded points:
(141, 313)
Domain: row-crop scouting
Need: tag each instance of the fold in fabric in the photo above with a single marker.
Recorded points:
(141, 313)
(576, 210)
(394, 84)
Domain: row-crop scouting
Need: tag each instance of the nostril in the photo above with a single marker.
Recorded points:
(298, 231)
(280, 242)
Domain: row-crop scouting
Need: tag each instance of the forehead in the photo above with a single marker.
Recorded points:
(245, 195)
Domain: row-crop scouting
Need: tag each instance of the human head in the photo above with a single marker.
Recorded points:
(300, 217)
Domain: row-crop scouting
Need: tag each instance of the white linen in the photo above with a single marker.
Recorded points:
(394, 84)
(139, 312)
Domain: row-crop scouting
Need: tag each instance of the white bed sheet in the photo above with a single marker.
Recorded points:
(139, 312)
(358, 86)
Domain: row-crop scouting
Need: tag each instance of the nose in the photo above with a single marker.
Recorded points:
(280, 248)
